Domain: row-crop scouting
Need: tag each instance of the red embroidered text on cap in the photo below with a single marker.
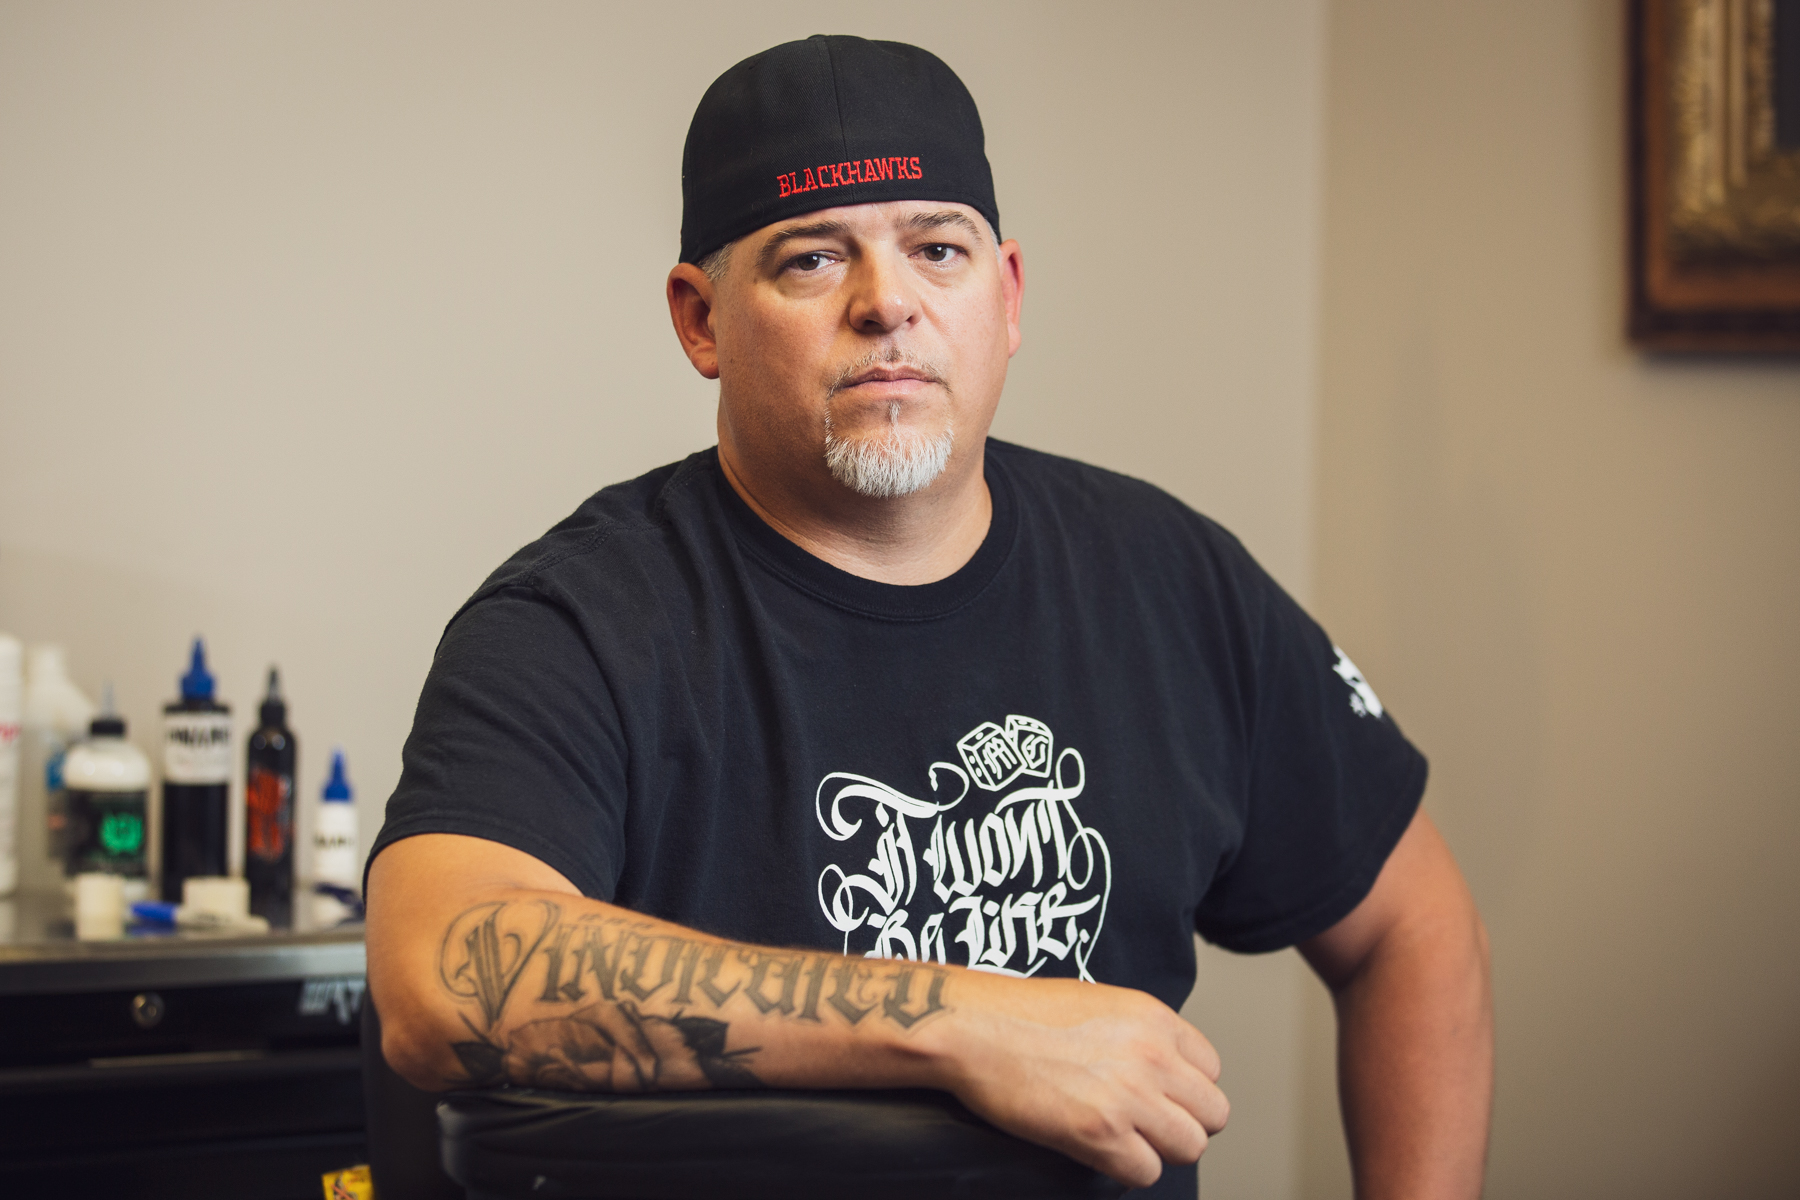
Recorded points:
(842, 174)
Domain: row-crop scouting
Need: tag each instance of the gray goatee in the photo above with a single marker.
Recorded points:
(896, 461)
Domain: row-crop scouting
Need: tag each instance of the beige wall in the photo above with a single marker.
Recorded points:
(1575, 574)
(311, 312)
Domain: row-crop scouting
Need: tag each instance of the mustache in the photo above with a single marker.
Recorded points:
(888, 356)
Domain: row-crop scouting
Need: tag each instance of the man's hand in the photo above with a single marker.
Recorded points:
(488, 967)
(1109, 1076)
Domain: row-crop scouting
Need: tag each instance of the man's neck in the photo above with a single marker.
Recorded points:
(910, 540)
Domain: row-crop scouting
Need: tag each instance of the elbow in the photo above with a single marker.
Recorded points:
(413, 1040)
(408, 1058)
(415, 1053)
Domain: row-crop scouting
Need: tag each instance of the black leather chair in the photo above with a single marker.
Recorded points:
(743, 1145)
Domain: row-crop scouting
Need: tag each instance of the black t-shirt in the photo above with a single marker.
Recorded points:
(1109, 729)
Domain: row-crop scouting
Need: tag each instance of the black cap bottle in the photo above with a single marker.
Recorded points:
(269, 811)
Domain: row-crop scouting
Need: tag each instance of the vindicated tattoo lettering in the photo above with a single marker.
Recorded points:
(644, 1010)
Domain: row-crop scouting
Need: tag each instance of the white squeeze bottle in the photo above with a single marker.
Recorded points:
(336, 861)
(56, 717)
(106, 782)
(12, 703)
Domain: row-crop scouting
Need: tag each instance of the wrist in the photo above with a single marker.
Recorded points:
(945, 1051)
(921, 1029)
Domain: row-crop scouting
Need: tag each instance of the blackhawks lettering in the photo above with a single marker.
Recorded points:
(843, 174)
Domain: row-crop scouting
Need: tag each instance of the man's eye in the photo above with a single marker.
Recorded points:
(938, 253)
(810, 262)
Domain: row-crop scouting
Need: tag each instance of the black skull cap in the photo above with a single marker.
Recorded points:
(825, 122)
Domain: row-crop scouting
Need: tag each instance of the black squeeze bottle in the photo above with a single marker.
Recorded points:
(196, 780)
(269, 812)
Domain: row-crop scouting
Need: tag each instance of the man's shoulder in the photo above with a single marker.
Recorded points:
(614, 524)
(1123, 508)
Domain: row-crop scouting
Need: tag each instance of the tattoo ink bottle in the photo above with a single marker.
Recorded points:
(107, 782)
(269, 812)
(196, 780)
(336, 864)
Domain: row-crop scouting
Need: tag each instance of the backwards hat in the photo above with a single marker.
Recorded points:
(823, 122)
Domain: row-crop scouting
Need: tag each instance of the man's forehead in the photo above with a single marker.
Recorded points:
(874, 220)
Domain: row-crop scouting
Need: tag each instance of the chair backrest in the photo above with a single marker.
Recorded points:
(404, 1157)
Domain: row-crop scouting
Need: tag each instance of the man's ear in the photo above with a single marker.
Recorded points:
(1012, 286)
(690, 308)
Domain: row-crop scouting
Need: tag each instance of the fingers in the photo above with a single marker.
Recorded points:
(1112, 1147)
(1192, 1079)
(1160, 1132)
(1164, 1117)
(1196, 1049)
(1172, 1131)
(1133, 1161)
(1199, 1096)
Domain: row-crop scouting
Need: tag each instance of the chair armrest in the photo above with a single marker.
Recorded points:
(872, 1145)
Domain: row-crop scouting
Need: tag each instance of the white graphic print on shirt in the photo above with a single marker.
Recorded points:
(1007, 889)
(1362, 700)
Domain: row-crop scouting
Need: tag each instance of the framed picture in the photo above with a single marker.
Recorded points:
(1715, 175)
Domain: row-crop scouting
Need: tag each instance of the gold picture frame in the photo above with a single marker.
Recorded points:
(1715, 175)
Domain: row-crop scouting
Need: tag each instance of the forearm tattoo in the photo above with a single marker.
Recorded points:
(632, 995)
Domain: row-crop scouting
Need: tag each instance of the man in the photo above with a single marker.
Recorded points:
(982, 734)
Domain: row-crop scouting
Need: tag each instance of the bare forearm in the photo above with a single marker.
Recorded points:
(1415, 1064)
(1408, 970)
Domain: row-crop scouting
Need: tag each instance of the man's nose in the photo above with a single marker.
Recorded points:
(884, 296)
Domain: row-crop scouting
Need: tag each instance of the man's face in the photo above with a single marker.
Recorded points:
(867, 344)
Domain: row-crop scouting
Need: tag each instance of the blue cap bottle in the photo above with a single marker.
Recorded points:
(197, 684)
(337, 788)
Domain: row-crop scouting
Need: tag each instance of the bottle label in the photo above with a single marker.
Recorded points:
(106, 832)
(334, 856)
(197, 747)
(268, 803)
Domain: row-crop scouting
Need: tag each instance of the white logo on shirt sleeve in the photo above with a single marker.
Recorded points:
(1007, 890)
(1362, 697)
